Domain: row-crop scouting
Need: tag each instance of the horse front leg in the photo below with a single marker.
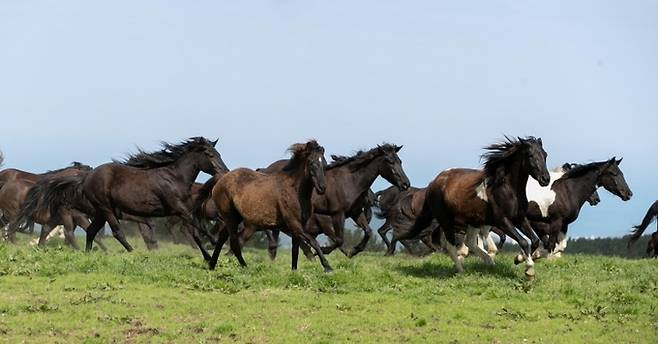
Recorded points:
(83, 222)
(362, 222)
(509, 229)
(328, 227)
(382, 233)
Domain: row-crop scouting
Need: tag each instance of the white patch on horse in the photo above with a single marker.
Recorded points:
(544, 196)
(481, 191)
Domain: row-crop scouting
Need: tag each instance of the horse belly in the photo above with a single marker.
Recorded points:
(258, 213)
(140, 204)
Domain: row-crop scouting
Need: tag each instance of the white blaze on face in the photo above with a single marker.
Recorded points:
(544, 196)
(481, 191)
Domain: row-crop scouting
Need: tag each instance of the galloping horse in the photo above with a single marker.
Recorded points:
(274, 200)
(551, 209)
(461, 199)
(399, 209)
(14, 190)
(145, 185)
(348, 183)
(651, 214)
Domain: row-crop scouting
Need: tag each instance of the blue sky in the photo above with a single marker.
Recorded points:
(89, 81)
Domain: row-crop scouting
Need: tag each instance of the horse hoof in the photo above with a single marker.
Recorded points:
(518, 259)
(530, 273)
(328, 270)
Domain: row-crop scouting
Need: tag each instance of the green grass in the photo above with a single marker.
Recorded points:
(58, 295)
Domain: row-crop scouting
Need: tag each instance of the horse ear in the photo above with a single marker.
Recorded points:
(334, 157)
(539, 140)
(397, 148)
(619, 161)
(214, 143)
(520, 139)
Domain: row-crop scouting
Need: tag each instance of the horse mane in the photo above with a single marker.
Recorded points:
(75, 164)
(299, 153)
(361, 157)
(577, 170)
(498, 154)
(169, 154)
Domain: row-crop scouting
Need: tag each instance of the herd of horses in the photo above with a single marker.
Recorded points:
(514, 195)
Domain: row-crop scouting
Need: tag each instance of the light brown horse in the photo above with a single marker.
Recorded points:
(271, 201)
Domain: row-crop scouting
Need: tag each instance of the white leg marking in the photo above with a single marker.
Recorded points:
(472, 236)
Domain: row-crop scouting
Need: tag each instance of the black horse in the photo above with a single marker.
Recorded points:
(145, 185)
(651, 214)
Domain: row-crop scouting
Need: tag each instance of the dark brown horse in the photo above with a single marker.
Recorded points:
(35, 210)
(16, 185)
(461, 199)
(205, 211)
(551, 209)
(146, 185)
(638, 230)
(652, 246)
(348, 184)
(265, 201)
(400, 209)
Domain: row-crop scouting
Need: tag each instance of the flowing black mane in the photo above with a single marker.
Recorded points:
(499, 153)
(579, 170)
(299, 153)
(75, 164)
(169, 154)
(361, 157)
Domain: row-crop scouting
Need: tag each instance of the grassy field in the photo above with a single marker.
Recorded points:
(58, 295)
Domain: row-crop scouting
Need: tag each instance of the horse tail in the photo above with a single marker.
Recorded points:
(637, 231)
(203, 195)
(50, 195)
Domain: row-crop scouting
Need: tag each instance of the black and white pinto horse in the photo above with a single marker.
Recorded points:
(552, 209)
(538, 197)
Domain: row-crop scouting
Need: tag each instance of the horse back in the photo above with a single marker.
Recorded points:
(254, 195)
(461, 193)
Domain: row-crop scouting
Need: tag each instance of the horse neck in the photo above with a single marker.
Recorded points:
(301, 180)
(359, 180)
(515, 176)
(186, 169)
(582, 187)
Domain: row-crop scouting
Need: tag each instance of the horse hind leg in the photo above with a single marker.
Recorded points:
(222, 236)
(451, 251)
(43, 236)
(69, 236)
(476, 245)
(146, 230)
(117, 232)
